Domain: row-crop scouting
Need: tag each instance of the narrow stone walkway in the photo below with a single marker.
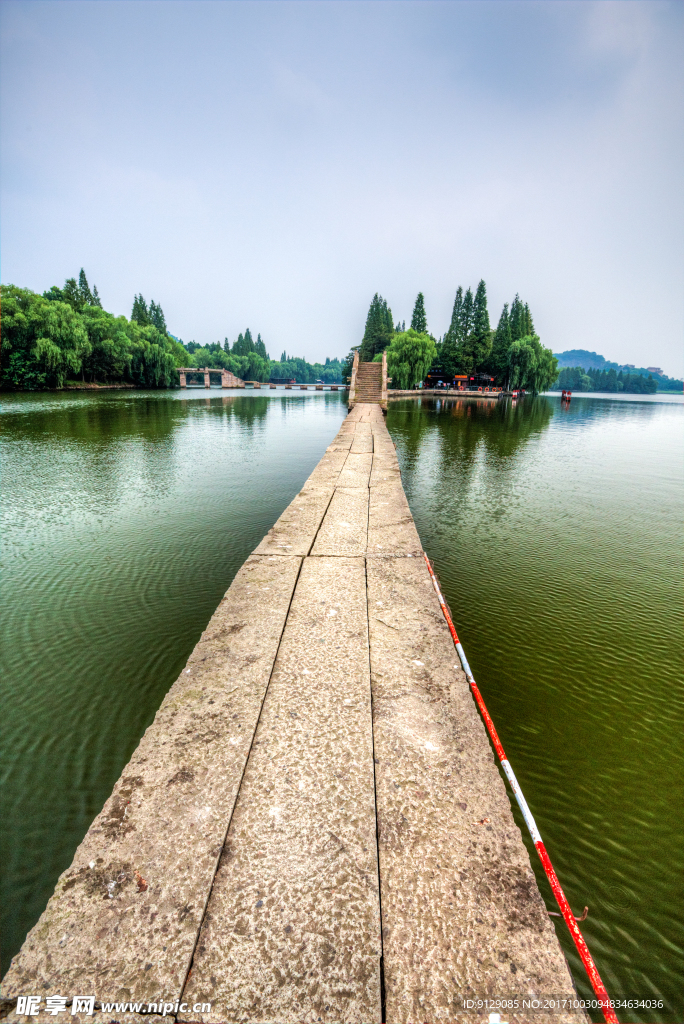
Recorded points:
(314, 827)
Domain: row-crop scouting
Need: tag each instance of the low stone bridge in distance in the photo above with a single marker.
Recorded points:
(228, 379)
(314, 827)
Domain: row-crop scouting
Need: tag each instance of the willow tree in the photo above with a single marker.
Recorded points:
(409, 358)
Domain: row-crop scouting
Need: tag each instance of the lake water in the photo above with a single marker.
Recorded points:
(557, 534)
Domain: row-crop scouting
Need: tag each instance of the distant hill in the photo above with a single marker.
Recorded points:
(587, 360)
(576, 357)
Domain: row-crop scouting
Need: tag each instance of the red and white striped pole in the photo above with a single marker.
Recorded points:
(577, 937)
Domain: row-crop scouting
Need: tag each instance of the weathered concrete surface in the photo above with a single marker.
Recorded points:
(344, 530)
(124, 918)
(391, 529)
(462, 914)
(290, 921)
(362, 443)
(295, 531)
(356, 472)
(292, 930)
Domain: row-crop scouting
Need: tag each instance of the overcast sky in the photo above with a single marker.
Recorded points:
(273, 164)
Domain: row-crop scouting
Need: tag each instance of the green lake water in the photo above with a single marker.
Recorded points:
(557, 535)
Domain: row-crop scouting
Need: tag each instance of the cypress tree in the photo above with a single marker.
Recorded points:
(454, 332)
(529, 326)
(388, 320)
(498, 362)
(96, 297)
(517, 319)
(139, 312)
(379, 329)
(448, 353)
(156, 317)
(84, 289)
(72, 294)
(260, 348)
(419, 319)
(249, 344)
(283, 357)
(466, 317)
(479, 343)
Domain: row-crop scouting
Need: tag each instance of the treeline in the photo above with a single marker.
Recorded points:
(65, 334)
(575, 378)
(64, 337)
(512, 354)
(249, 360)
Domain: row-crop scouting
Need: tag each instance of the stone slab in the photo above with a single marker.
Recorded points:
(328, 469)
(344, 530)
(292, 929)
(462, 915)
(295, 531)
(384, 473)
(124, 918)
(356, 472)
(341, 443)
(363, 442)
(391, 529)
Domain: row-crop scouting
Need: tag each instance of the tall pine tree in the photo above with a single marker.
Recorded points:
(156, 317)
(517, 319)
(419, 319)
(379, 329)
(448, 353)
(454, 333)
(139, 312)
(84, 289)
(498, 360)
(467, 313)
(481, 342)
(475, 340)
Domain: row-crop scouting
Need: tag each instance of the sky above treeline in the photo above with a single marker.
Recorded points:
(273, 164)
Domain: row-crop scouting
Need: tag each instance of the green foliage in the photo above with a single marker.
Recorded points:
(466, 315)
(379, 329)
(65, 334)
(530, 365)
(454, 332)
(574, 378)
(252, 365)
(498, 359)
(477, 344)
(156, 317)
(468, 342)
(517, 319)
(419, 319)
(347, 367)
(139, 312)
(44, 341)
(84, 289)
(409, 358)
